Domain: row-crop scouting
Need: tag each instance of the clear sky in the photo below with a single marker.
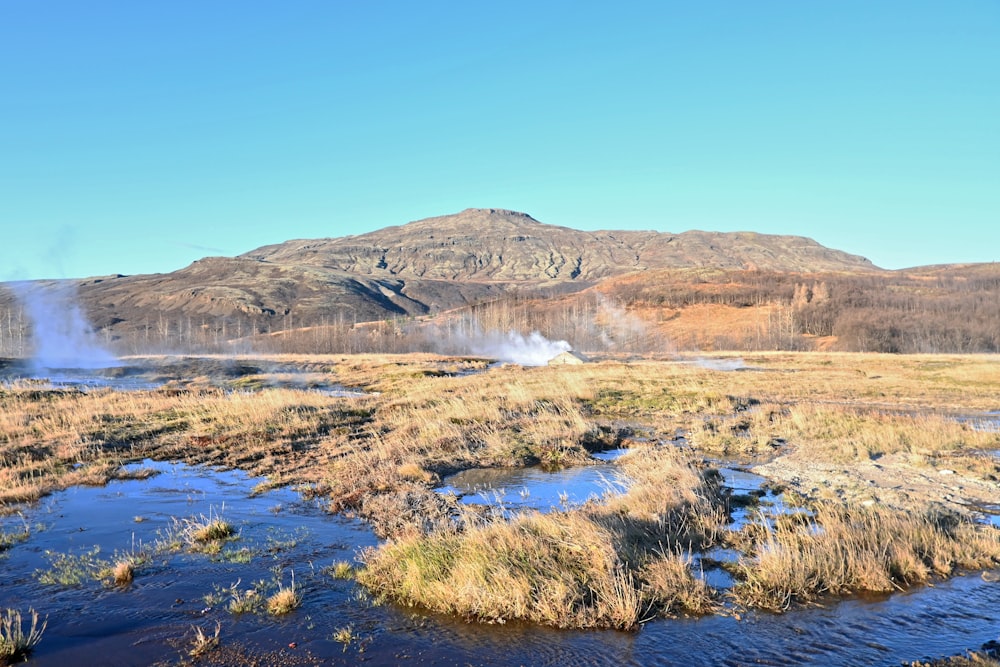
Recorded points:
(136, 137)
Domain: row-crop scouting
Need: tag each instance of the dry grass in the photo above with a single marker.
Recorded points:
(341, 570)
(203, 643)
(599, 566)
(210, 530)
(245, 601)
(201, 533)
(285, 600)
(845, 434)
(669, 580)
(852, 549)
(123, 572)
(345, 636)
(380, 455)
(670, 502)
(15, 642)
(558, 569)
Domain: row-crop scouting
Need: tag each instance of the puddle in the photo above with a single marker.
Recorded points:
(151, 620)
(119, 378)
(610, 454)
(988, 422)
(768, 503)
(279, 536)
(342, 392)
(709, 566)
(516, 489)
(988, 514)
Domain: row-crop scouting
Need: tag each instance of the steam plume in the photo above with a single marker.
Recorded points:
(61, 335)
(531, 350)
(512, 346)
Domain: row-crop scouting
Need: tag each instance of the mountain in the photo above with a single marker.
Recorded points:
(421, 267)
(494, 245)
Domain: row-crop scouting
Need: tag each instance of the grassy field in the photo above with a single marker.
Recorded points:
(886, 453)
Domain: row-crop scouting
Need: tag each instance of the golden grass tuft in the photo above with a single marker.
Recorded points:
(123, 572)
(852, 549)
(591, 567)
(557, 569)
(412, 472)
(246, 601)
(345, 636)
(285, 600)
(199, 533)
(342, 570)
(16, 643)
(213, 529)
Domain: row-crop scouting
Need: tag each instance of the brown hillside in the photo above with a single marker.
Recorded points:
(418, 268)
(498, 245)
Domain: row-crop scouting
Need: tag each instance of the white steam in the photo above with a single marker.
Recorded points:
(513, 347)
(468, 338)
(61, 335)
(620, 330)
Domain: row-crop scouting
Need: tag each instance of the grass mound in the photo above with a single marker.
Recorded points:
(849, 549)
(599, 566)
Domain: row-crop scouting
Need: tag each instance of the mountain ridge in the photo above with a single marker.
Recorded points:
(418, 268)
(499, 244)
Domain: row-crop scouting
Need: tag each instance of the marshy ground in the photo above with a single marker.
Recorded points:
(886, 468)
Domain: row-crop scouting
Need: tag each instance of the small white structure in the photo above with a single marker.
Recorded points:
(568, 357)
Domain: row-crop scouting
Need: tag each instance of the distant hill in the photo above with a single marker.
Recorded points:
(494, 245)
(415, 269)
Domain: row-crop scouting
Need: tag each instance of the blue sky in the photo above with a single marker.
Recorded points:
(136, 137)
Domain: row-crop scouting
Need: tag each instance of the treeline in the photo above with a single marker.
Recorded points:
(591, 322)
(955, 309)
(930, 310)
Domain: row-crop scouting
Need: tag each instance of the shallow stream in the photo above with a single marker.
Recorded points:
(151, 620)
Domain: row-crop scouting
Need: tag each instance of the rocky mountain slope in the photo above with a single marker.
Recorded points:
(418, 268)
(496, 245)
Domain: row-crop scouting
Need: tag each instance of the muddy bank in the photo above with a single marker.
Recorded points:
(890, 481)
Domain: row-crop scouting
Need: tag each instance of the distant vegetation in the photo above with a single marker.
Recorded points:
(447, 284)
(948, 309)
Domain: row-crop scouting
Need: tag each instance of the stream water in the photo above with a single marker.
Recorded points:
(151, 621)
(137, 378)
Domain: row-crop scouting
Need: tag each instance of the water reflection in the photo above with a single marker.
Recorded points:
(535, 488)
